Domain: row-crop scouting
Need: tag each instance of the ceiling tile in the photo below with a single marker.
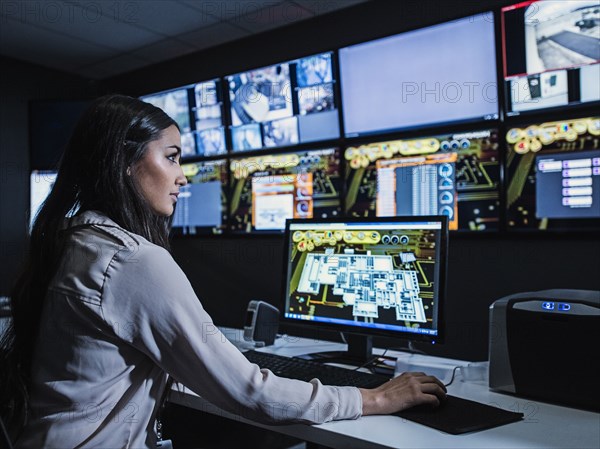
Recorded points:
(112, 24)
(44, 47)
(169, 17)
(213, 35)
(271, 17)
(323, 7)
(229, 10)
(164, 50)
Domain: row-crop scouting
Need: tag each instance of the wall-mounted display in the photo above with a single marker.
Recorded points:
(551, 54)
(202, 203)
(453, 174)
(284, 104)
(197, 109)
(267, 190)
(553, 175)
(437, 75)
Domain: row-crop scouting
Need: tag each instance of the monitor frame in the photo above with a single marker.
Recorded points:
(366, 333)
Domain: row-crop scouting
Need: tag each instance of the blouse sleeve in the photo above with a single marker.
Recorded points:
(148, 293)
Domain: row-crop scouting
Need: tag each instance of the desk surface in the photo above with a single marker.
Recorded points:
(544, 425)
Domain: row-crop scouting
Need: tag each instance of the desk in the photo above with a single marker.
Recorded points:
(544, 425)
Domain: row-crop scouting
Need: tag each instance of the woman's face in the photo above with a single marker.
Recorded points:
(158, 173)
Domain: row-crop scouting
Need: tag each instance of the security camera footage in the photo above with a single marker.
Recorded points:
(284, 104)
(551, 54)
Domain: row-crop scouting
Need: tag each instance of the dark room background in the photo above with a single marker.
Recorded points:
(228, 271)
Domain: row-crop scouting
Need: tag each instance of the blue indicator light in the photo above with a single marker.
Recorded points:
(564, 306)
(548, 305)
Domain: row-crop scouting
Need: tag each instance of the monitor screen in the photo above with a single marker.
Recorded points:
(380, 276)
(553, 175)
(267, 190)
(202, 203)
(453, 174)
(284, 104)
(198, 110)
(40, 185)
(431, 76)
(551, 52)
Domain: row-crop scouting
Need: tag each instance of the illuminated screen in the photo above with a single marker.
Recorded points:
(202, 203)
(551, 52)
(553, 175)
(197, 109)
(436, 75)
(456, 175)
(40, 185)
(382, 275)
(267, 190)
(284, 104)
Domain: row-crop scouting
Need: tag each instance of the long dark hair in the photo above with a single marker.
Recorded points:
(111, 136)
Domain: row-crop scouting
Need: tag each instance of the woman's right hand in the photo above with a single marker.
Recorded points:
(402, 392)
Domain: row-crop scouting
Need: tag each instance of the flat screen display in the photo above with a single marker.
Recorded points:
(284, 104)
(453, 174)
(553, 175)
(198, 110)
(40, 185)
(267, 190)
(551, 53)
(202, 203)
(368, 276)
(432, 76)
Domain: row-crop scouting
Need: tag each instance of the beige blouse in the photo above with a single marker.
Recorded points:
(118, 317)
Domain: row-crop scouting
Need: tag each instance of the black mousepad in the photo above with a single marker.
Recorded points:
(457, 415)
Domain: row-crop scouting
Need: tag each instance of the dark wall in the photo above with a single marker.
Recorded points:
(19, 83)
(227, 272)
(373, 19)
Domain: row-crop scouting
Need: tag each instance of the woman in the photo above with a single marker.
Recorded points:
(102, 313)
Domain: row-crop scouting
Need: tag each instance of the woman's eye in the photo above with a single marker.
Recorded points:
(173, 158)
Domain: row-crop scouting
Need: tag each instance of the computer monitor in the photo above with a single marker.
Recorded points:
(454, 174)
(436, 75)
(202, 203)
(284, 104)
(551, 52)
(553, 175)
(368, 277)
(40, 185)
(197, 109)
(268, 189)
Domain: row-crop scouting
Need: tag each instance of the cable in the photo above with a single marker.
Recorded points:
(453, 374)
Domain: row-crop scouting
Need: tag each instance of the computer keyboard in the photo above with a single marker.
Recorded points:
(302, 369)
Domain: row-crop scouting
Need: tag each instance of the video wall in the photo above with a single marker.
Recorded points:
(501, 136)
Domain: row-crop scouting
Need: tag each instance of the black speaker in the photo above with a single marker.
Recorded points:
(262, 323)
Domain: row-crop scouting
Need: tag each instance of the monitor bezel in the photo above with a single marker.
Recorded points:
(357, 330)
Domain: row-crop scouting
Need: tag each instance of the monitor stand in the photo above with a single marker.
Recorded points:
(360, 353)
